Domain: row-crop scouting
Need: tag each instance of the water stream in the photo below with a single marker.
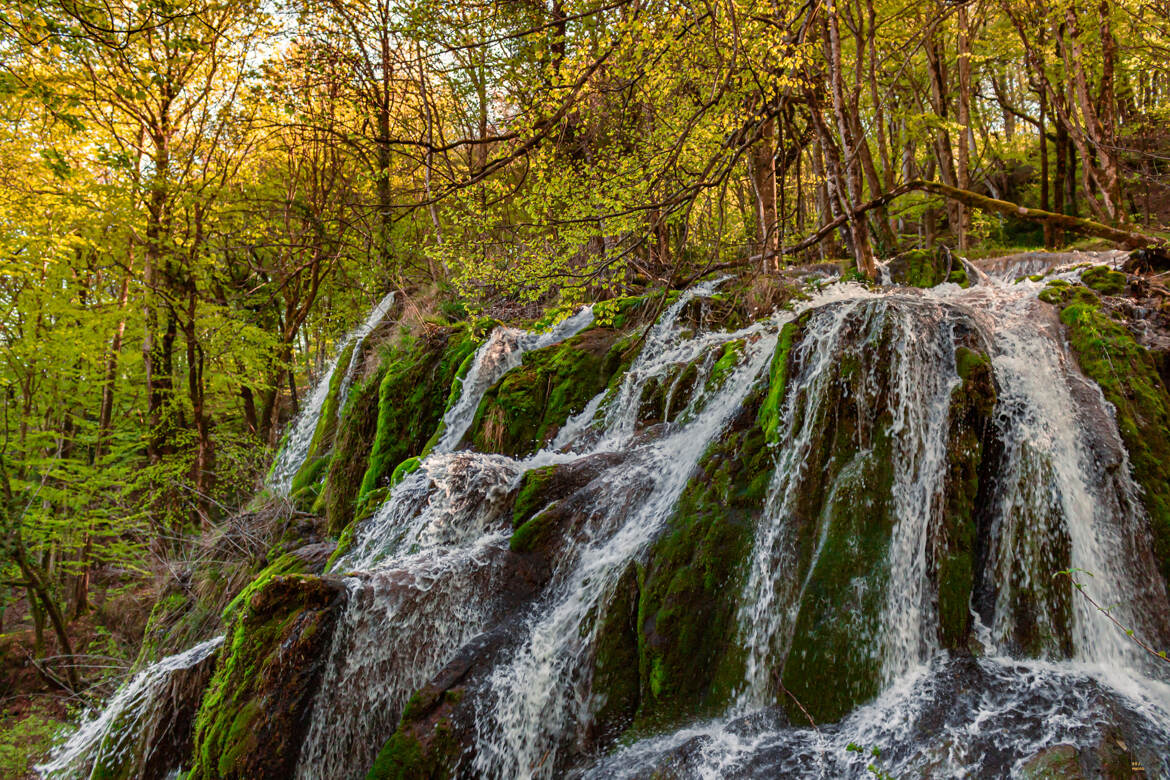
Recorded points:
(300, 434)
(431, 570)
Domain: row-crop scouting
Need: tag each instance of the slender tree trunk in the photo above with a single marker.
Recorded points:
(964, 163)
(851, 165)
(762, 163)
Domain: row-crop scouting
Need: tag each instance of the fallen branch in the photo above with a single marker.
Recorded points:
(1127, 238)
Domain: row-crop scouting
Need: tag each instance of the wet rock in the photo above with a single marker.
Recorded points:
(1058, 762)
(527, 407)
(257, 706)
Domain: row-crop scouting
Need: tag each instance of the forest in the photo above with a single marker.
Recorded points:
(200, 199)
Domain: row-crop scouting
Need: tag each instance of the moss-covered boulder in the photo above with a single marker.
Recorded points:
(392, 414)
(687, 658)
(1104, 280)
(552, 501)
(616, 684)
(1128, 376)
(257, 706)
(954, 557)
(412, 397)
(526, 408)
(436, 732)
(359, 426)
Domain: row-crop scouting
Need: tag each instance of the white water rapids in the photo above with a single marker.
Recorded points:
(431, 570)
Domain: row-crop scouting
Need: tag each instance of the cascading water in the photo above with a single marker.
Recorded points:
(300, 436)
(416, 568)
(503, 351)
(844, 569)
(1063, 486)
(920, 380)
(537, 700)
(111, 735)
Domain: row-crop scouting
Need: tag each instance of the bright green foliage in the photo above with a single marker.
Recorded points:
(26, 739)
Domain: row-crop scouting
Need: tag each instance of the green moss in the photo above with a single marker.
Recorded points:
(726, 364)
(1059, 292)
(616, 681)
(1104, 280)
(533, 533)
(772, 409)
(359, 425)
(530, 498)
(408, 466)
(284, 565)
(525, 409)
(423, 745)
(326, 430)
(308, 483)
(687, 606)
(253, 713)
(412, 397)
(834, 661)
(1128, 377)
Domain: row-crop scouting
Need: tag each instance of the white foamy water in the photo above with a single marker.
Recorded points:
(300, 435)
(110, 736)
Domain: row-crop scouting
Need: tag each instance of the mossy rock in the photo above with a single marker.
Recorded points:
(616, 680)
(1059, 762)
(308, 482)
(359, 426)
(326, 431)
(544, 508)
(437, 725)
(954, 559)
(1127, 374)
(834, 661)
(257, 707)
(526, 408)
(412, 397)
(1059, 292)
(391, 416)
(687, 605)
(843, 514)
(1104, 280)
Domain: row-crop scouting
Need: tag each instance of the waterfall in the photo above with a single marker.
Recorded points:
(888, 403)
(921, 377)
(112, 735)
(300, 435)
(504, 350)
(536, 697)
(435, 537)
